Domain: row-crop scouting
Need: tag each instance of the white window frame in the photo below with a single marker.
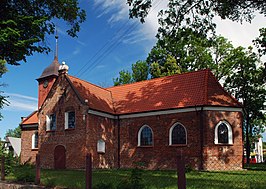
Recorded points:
(101, 146)
(33, 141)
(230, 133)
(66, 119)
(171, 133)
(48, 122)
(139, 135)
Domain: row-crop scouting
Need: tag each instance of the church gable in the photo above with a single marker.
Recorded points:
(216, 94)
(61, 103)
(32, 119)
(96, 98)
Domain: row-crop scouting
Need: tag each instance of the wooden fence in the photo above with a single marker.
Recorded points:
(181, 177)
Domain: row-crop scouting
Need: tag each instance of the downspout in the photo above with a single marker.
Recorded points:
(201, 138)
(86, 129)
(243, 115)
(118, 141)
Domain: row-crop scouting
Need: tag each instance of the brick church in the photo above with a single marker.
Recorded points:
(149, 122)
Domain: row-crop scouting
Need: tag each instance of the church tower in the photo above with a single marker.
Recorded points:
(48, 77)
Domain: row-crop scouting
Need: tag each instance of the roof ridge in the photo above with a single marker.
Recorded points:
(109, 92)
(205, 96)
(223, 89)
(158, 78)
(90, 83)
(28, 117)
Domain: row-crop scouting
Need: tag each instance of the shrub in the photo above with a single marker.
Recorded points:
(135, 181)
(24, 173)
(104, 185)
(10, 163)
(48, 181)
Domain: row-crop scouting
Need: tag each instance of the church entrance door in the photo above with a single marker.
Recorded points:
(59, 157)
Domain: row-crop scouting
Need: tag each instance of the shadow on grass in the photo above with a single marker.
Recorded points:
(233, 180)
(75, 179)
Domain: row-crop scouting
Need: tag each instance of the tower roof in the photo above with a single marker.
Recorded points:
(51, 70)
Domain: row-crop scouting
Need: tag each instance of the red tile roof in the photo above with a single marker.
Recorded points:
(191, 89)
(31, 119)
(178, 91)
(98, 98)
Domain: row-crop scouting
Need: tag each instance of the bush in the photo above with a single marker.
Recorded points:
(134, 182)
(49, 182)
(104, 185)
(24, 173)
(10, 163)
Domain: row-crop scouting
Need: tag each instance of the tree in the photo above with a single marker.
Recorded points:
(14, 132)
(264, 145)
(222, 50)
(191, 52)
(1, 147)
(3, 99)
(169, 67)
(26, 23)
(260, 41)
(125, 77)
(198, 13)
(246, 82)
(140, 71)
(188, 48)
(186, 51)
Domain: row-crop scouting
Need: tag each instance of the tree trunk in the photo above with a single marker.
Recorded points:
(248, 130)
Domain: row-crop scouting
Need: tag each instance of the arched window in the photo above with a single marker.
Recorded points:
(177, 134)
(145, 136)
(223, 133)
(34, 140)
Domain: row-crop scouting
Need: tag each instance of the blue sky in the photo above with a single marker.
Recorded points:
(108, 42)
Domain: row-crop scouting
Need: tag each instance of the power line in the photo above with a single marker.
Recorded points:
(110, 45)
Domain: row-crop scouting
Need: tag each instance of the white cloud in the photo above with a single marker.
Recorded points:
(22, 96)
(100, 66)
(117, 10)
(18, 102)
(81, 43)
(76, 51)
(240, 34)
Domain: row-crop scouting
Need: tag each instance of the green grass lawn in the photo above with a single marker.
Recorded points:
(254, 178)
(161, 179)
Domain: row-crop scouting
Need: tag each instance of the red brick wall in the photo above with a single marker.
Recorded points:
(62, 99)
(102, 128)
(43, 92)
(90, 128)
(163, 156)
(160, 155)
(223, 157)
(27, 153)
